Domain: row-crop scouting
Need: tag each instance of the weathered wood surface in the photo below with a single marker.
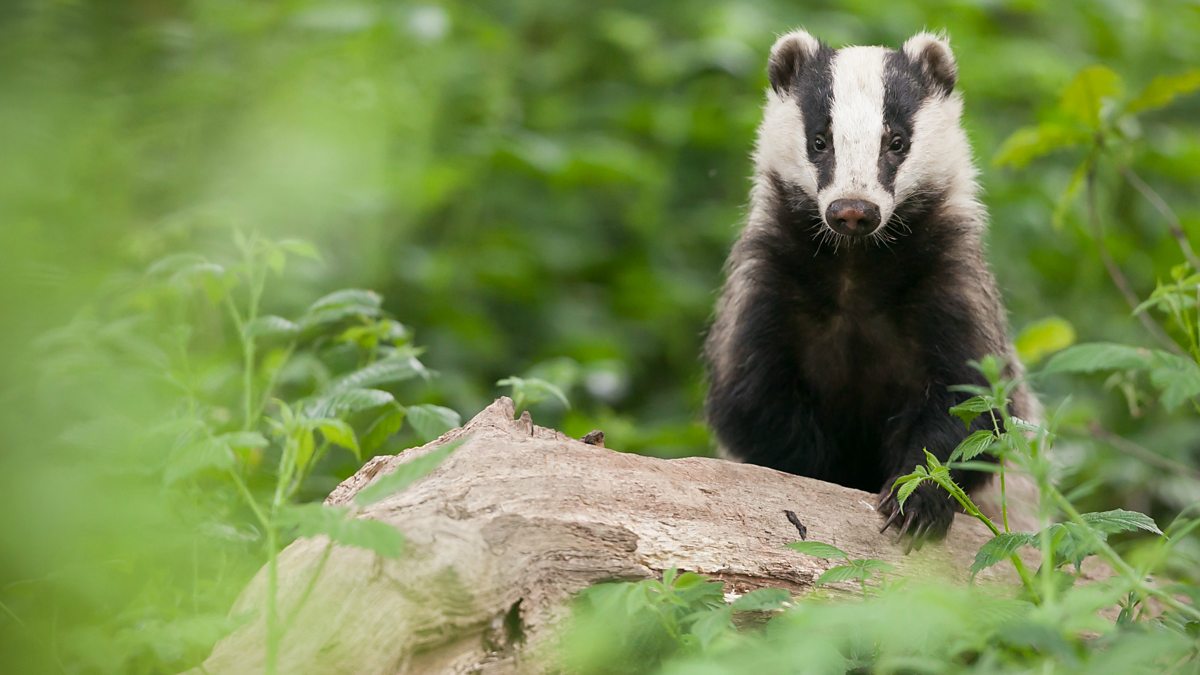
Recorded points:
(521, 517)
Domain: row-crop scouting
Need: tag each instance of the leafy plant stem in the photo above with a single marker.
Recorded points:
(972, 510)
(1118, 563)
(272, 570)
(1003, 490)
(245, 492)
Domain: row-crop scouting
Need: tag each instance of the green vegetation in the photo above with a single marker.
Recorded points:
(226, 226)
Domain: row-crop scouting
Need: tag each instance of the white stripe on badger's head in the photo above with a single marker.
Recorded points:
(856, 127)
(863, 131)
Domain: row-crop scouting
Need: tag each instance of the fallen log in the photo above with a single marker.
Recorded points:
(519, 518)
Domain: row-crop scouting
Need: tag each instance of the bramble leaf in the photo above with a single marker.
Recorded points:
(973, 445)
(999, 548)
(1094, 356)
(1177, 377)
(272, 327)
(841, 573)
(1120, 520)
(910, 484)
(387, 371)
(971, 408)
(431, 421)
(347, 401)
(818, 549)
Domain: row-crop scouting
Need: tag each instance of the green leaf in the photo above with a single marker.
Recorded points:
(999, 548)
(1164, 89)
(973, 445)
(1084, 97)
(907, 484)
(841, 573)
(1095, 356)
(304, 446)
(386, 371)
(971, 408)
(931, 461)
(188, 460)
(244, 440)
(348, 297)
(171, 264)
(818, 549)
(310, 520)
(383, 428)
(1120, 520)
(762, 600)
(872, 565)
(527, 391)
(431, 421)
(712, 624)
(299, 247)
(276, 259)
(404, 474)
(345, 402)
(272, 327)
(341, 305)
(339, 433)
(212, 278)
(1177, 377)
(1044, 337)
(1029, 143)
(1071, 542)
(1063, 205)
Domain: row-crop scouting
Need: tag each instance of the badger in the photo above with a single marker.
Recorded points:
(857, 294)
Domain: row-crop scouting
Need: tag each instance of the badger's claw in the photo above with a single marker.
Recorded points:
(928, 513)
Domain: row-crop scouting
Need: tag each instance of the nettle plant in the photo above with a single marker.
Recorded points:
(305, 387)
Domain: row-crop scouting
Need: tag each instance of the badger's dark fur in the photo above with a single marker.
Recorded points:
(832, 356)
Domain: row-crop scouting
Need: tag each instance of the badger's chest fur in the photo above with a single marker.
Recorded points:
(857, 293)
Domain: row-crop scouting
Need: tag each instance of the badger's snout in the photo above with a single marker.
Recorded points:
(852, 217)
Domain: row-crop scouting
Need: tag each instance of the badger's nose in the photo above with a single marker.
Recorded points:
(852, 217)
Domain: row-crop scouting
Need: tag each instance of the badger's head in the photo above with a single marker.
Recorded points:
(863, 131)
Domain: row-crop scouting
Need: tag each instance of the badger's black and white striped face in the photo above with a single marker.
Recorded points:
(863, 130)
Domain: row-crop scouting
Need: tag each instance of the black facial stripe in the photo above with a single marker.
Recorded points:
(815, 98)
(903, 93)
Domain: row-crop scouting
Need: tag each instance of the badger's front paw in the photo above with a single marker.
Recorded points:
(927, 514)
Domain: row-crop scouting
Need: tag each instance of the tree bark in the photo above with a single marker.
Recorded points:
(518, 519)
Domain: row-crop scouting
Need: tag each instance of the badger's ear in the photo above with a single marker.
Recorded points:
(788, 55)
(932, 54)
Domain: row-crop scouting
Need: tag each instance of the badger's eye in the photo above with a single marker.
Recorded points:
(818, 143)
(898, 145)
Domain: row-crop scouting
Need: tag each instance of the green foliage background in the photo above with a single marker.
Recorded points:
(535, 188)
